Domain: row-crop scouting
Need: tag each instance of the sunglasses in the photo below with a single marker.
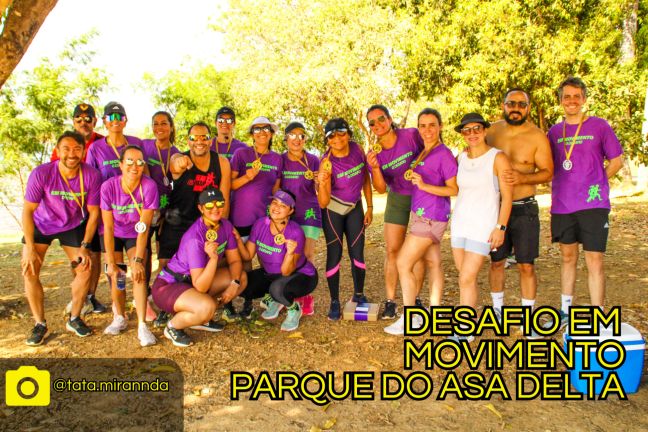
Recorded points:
(336, 132)
(116, 117)
(225, 120)
(257, 130)
(81, 119)
(381, 119)
(212, 204)
(131, 162)
(199, 137)
(513, 104)
(471, 130)
(296, 136)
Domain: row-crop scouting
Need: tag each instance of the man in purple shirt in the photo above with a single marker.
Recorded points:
(61, 202)
(224, 142)
(580, 201)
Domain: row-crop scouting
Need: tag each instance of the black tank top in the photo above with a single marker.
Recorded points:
(183, 199)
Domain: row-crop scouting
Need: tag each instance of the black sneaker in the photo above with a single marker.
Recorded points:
(211, 326)
(334, 311)
(229, 313)
(162, 319)
(359, 298)
(78, 327)
(97, 306)
(178, 337)
(389, 311)
(38, 335)
(246, 312)
(418, 302)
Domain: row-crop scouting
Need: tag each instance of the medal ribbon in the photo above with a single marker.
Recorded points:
(112, 146)
(82, 201)
(256, 154)
(137, 205)
(571, 147)
(421, 156)
(303, 163)
(162, 165)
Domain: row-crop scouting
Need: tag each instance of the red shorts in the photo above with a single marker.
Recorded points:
(427, 228)
(165, 294)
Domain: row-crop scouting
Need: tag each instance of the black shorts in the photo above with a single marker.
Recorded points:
(170, 237)
(244, 231)
(121, 244)
(589, 227)
(522, 235)
(70, 238)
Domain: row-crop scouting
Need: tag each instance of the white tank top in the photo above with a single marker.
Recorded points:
(477, 206)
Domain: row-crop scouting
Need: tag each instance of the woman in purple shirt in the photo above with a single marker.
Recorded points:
(390, 159)
(128, 202)
(206, 266)
(298, 178)
(343, 176)
(434, 177)
(285, 272)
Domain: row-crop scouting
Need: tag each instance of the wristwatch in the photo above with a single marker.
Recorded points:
(86, 245)
(139, 260)
(501, 227)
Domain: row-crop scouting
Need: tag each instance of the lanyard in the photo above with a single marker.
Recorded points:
(137, 205)
(82, 201)
(112, 146)
(162, 165)
(571, 147)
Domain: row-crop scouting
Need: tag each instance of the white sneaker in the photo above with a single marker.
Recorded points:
(398, 327)
(118, 325)
(85, 310)
(145, 336)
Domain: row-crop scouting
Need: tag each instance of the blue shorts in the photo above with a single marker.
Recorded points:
(468, 245)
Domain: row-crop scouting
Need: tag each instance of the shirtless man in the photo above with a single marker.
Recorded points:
(528, 149)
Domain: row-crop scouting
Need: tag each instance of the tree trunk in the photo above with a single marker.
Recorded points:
(24, 18)
(628, 46)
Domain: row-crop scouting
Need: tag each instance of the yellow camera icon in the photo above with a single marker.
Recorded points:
(27, 386)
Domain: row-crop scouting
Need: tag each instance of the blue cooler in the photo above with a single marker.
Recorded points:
(629, 372)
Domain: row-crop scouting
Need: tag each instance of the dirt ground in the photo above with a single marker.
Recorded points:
(320, 345)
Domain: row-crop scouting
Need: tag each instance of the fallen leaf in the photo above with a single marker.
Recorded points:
(296, 335)
(328, 424)
(315, 429)
(449, 407)
(326, 407)
(492, 409)
(163, 368)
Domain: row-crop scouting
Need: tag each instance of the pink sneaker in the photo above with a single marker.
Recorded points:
(307, 304)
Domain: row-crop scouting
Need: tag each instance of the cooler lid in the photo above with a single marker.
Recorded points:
(628, 334)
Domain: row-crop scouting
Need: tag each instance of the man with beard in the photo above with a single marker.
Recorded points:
(192, 171)
(528, 149)
(61, 202)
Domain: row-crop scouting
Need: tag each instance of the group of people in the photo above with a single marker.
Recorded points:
(213, 208)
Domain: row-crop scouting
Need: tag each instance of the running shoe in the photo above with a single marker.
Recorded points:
(397, 328)
(177, 337)
(389, 311)
(359, 298)
(265, 301)
(162, 319)
(118, 325)
(210, 326)
(145, 336)
(272, 310)
(246, 312)
(229, 313)
(307, 305)
(458, 338)
(292, 318)
(418, 302)
(564, 320)
(334, 312)
(97, 306)
(38, 335)
(78, 327)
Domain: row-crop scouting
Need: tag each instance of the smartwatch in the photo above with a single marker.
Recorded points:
(501, 227)
(86, 245)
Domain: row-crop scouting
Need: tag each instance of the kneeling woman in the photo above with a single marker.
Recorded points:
(285, 272)
(128, 202)
(197, 273)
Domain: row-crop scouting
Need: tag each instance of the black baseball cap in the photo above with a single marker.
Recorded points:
(225, 110)
(114, 107)
(83, 109)
(292, 126)
(210, 195)
(335, 125)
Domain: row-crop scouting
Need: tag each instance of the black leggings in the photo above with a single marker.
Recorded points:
(352, 226)
(284, 289)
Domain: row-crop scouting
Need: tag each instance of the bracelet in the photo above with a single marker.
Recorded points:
(86, 245)
(138, 260)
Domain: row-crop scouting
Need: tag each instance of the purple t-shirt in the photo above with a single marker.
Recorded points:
(307, 209)
(396, 160)
(57, 209)
(191, 252)
(250, 202)
(435, 168)
(347, 174)
(102, 156)
(271, 255)
(153, 160)
(113, 198)
(221, 148)
(585, 186)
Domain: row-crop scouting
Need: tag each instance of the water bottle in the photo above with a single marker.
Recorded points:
(121, 281)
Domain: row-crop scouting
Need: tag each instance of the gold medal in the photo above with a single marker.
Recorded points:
(408, 175)
(211, 235)
(377, 148)
(279, 239)
(326, 165)
(257, 164)
(308, 175)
